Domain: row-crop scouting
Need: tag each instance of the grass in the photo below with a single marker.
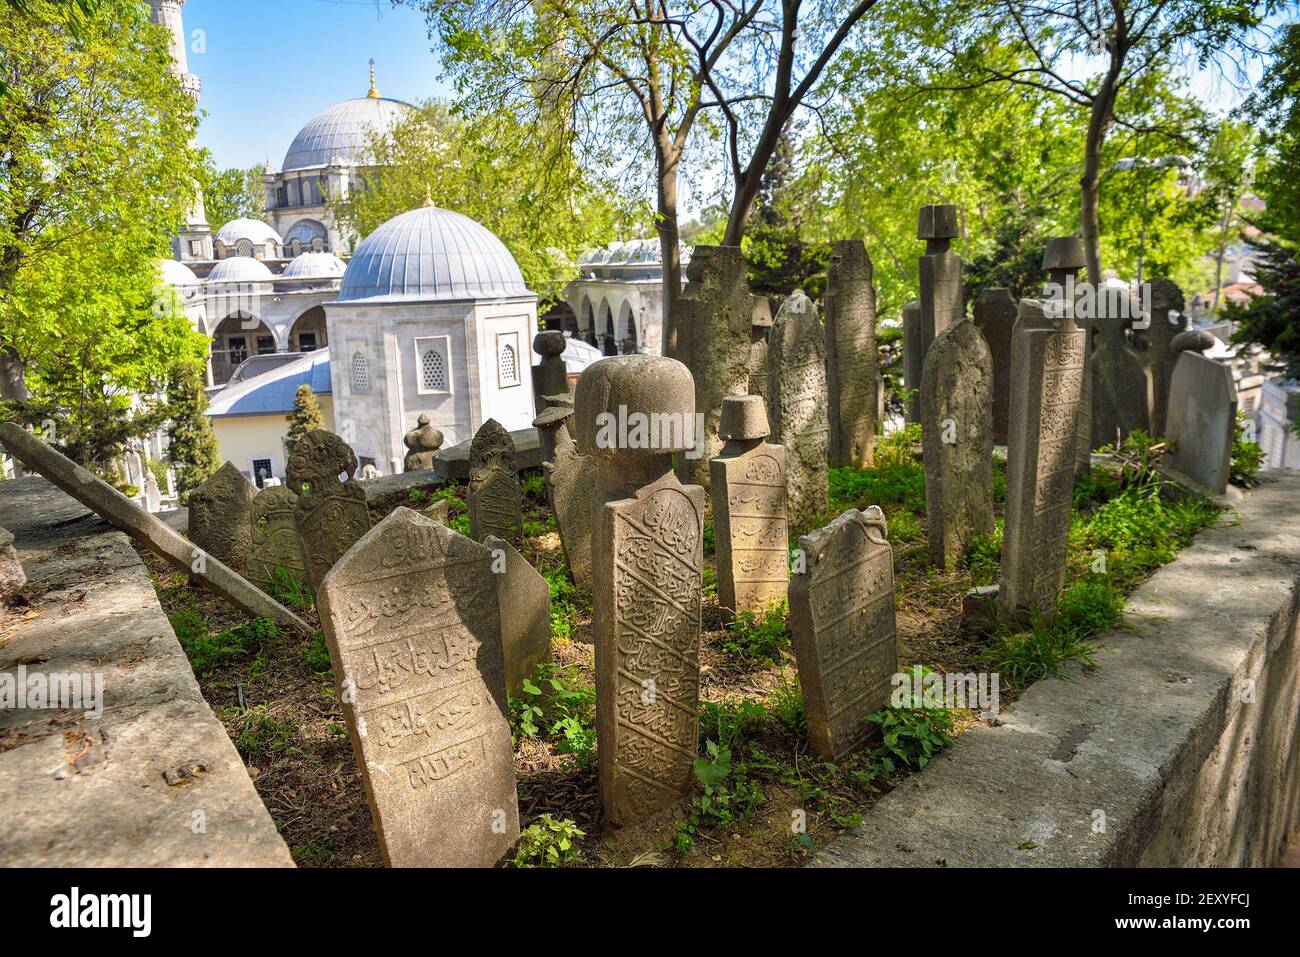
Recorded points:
(758, 637)
(208, 650)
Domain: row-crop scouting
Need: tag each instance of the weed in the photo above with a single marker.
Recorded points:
(911, 736)
(290, 590)
(548, 842)
(315, 654)
(554, 704)
(1247, 456)
(724, 803)
(256, 733)
(757, 637)
(786, 704)
(207, 652)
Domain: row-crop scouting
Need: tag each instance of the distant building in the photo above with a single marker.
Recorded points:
(1279, 411)
(616, 303)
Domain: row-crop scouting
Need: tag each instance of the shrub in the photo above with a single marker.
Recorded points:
(548, 842)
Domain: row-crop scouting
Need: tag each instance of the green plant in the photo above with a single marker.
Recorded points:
(786, 704)
(534, 486)
(315, 654)
(256, 733)
(556, 705)
(757, 637)
(290, 590)
(984, 557)
(1247, 455)
(207, 651)
(912, 736)
(730, 720)
(548, 842)
(724, 803)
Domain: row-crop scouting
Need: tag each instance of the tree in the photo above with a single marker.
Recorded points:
(305, 417)
(231, 193)
(192, 445)
(780, 259)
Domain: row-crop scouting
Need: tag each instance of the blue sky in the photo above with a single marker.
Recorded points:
(271, 66)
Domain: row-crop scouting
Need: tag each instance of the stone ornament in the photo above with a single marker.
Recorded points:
(220, 516)
(422, 445)
(275, 541)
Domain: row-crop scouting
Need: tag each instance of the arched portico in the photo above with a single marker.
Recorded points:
(237, 337)
(627, 337)
(307, 333)
(608, 340)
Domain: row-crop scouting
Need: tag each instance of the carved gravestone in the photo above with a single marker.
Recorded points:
(495, 498)
(915, 343)
(555, 410)
(1122, 387)
(942, 300)
(571, 488)
(422, 445)
(413, 627)
(1047, 379)
(749, 510)
(957, 439)
(330, 513)
(1202, 422)
(525, 601)
(647, 554)
(549, 376)
(715, 320)
(1154, 346)
(152, 496)
(437, 512)
(851, 367)
(275, 542)
(994, 314)
(221, 516)
(796, 402)
(759, 331)
(843, 629)
(1062, 260)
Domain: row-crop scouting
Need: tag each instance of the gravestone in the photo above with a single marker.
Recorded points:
(422, 444)
(525, 601)
(942, 299)
(1122, 387)
(555, 410)
(1047, 377)
(571, 488)
(1202, 422)
(647, 554)
(413, 627)
(957, 441)
(749, 510)
(549, 375)
(495, 498)
(759, 331)
(12, 576)
(714, 320)
(915, 343)
(437, 512)
(852, 371)
(842, 627)
(275, 542)
(1062, 260)
(1154, 346)
(220, 516)
(330, 514)
(152, 496)
(994, 314)
(796, 402)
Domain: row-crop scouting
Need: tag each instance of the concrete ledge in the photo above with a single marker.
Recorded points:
(154, 781)
(1185, 738)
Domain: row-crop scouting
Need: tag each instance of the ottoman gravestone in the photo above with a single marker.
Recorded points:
(330, 512)
(994, 314)
(1202, 421)
(796, 402)
(1155, 346)
(275, 542)
(495, 498)
(220, 516)
(852, 372)
(525, 600)
(422, 444)
(915, 343)
(571, 487)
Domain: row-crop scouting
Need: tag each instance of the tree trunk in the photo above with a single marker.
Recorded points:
(13, 384)
(1089, 189)
(669, 245)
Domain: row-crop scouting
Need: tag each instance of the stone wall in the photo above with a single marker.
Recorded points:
(1184, 737)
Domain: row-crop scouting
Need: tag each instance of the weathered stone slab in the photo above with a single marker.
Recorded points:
(1155, 346)
(329, 514)
(146, 529)
(957, 438)
(549, 375)
(221, 516)
(843, 628)
(994, 314)
(715, 316)
(1062, 259)
(413, 627)
(796, 402)
(852, 371)
(12, 576)
(1122, 388)
(1202, 422)
(1046, 386)
(942, 300)
(525, 602)
(647, 553)
(571, 487)
(749, 510)
(915, 344)
(495, 498)
(437, 512)
(275, 540)
(422, 444)
(556, 409)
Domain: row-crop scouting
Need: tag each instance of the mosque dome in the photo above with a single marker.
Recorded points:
(342, 133)
(254, 230)
(314, 266)
(432, 254)
(175, 273)
(240, 269)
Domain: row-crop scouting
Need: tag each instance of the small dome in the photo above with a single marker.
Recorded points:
(239, 269)
(432, 254)
(176, 273)
(342, 132)
(314, 266)
(254, 230)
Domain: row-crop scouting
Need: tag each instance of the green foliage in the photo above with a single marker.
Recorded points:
(727, 800)
(192, 443)
(306, 416)
(786, 704)
(549, 842)
(757, 636)
(912, 736)
(534, 486)
(1247, 455)
(231, 193)
(727, 722)
(984, 557)
(897, 478)
(209, 651)
(315, 654)
(257, 733)
(556, 705)
(780, 260)
(290, 590)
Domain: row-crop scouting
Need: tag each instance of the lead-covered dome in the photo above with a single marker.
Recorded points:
(240, 269)
(254, 230)
(343, 132)
(314, 266)
(432, 254)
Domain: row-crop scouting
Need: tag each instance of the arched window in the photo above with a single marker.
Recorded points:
(360, 373)
(244, 247)
(507, 366)
(433, 372)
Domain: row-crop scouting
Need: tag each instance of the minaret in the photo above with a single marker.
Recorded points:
(195, 238)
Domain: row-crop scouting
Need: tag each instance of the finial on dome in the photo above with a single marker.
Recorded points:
(428, 196)
(374, 93)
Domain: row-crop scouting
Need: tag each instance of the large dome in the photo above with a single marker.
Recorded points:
(239, 269)
(343, 132)
(432, 254)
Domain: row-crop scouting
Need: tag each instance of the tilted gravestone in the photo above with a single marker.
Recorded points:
(275, 542)
(647, 554)
(437, 512)
(495, 498)
(994, 314)
(796, 402)
(413, 628)
(715, 320)
(749, 510)
(571, 488)
(525, 601)
(422, 444)
(549, 376)
(12, 576)
(915, 343)
(1046, 384)
(957, 441)
(220, 516)
(1202, 422)
(330, 514)
(1062, 260)
(852, 372)
(842, 627)
(1155, 349)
